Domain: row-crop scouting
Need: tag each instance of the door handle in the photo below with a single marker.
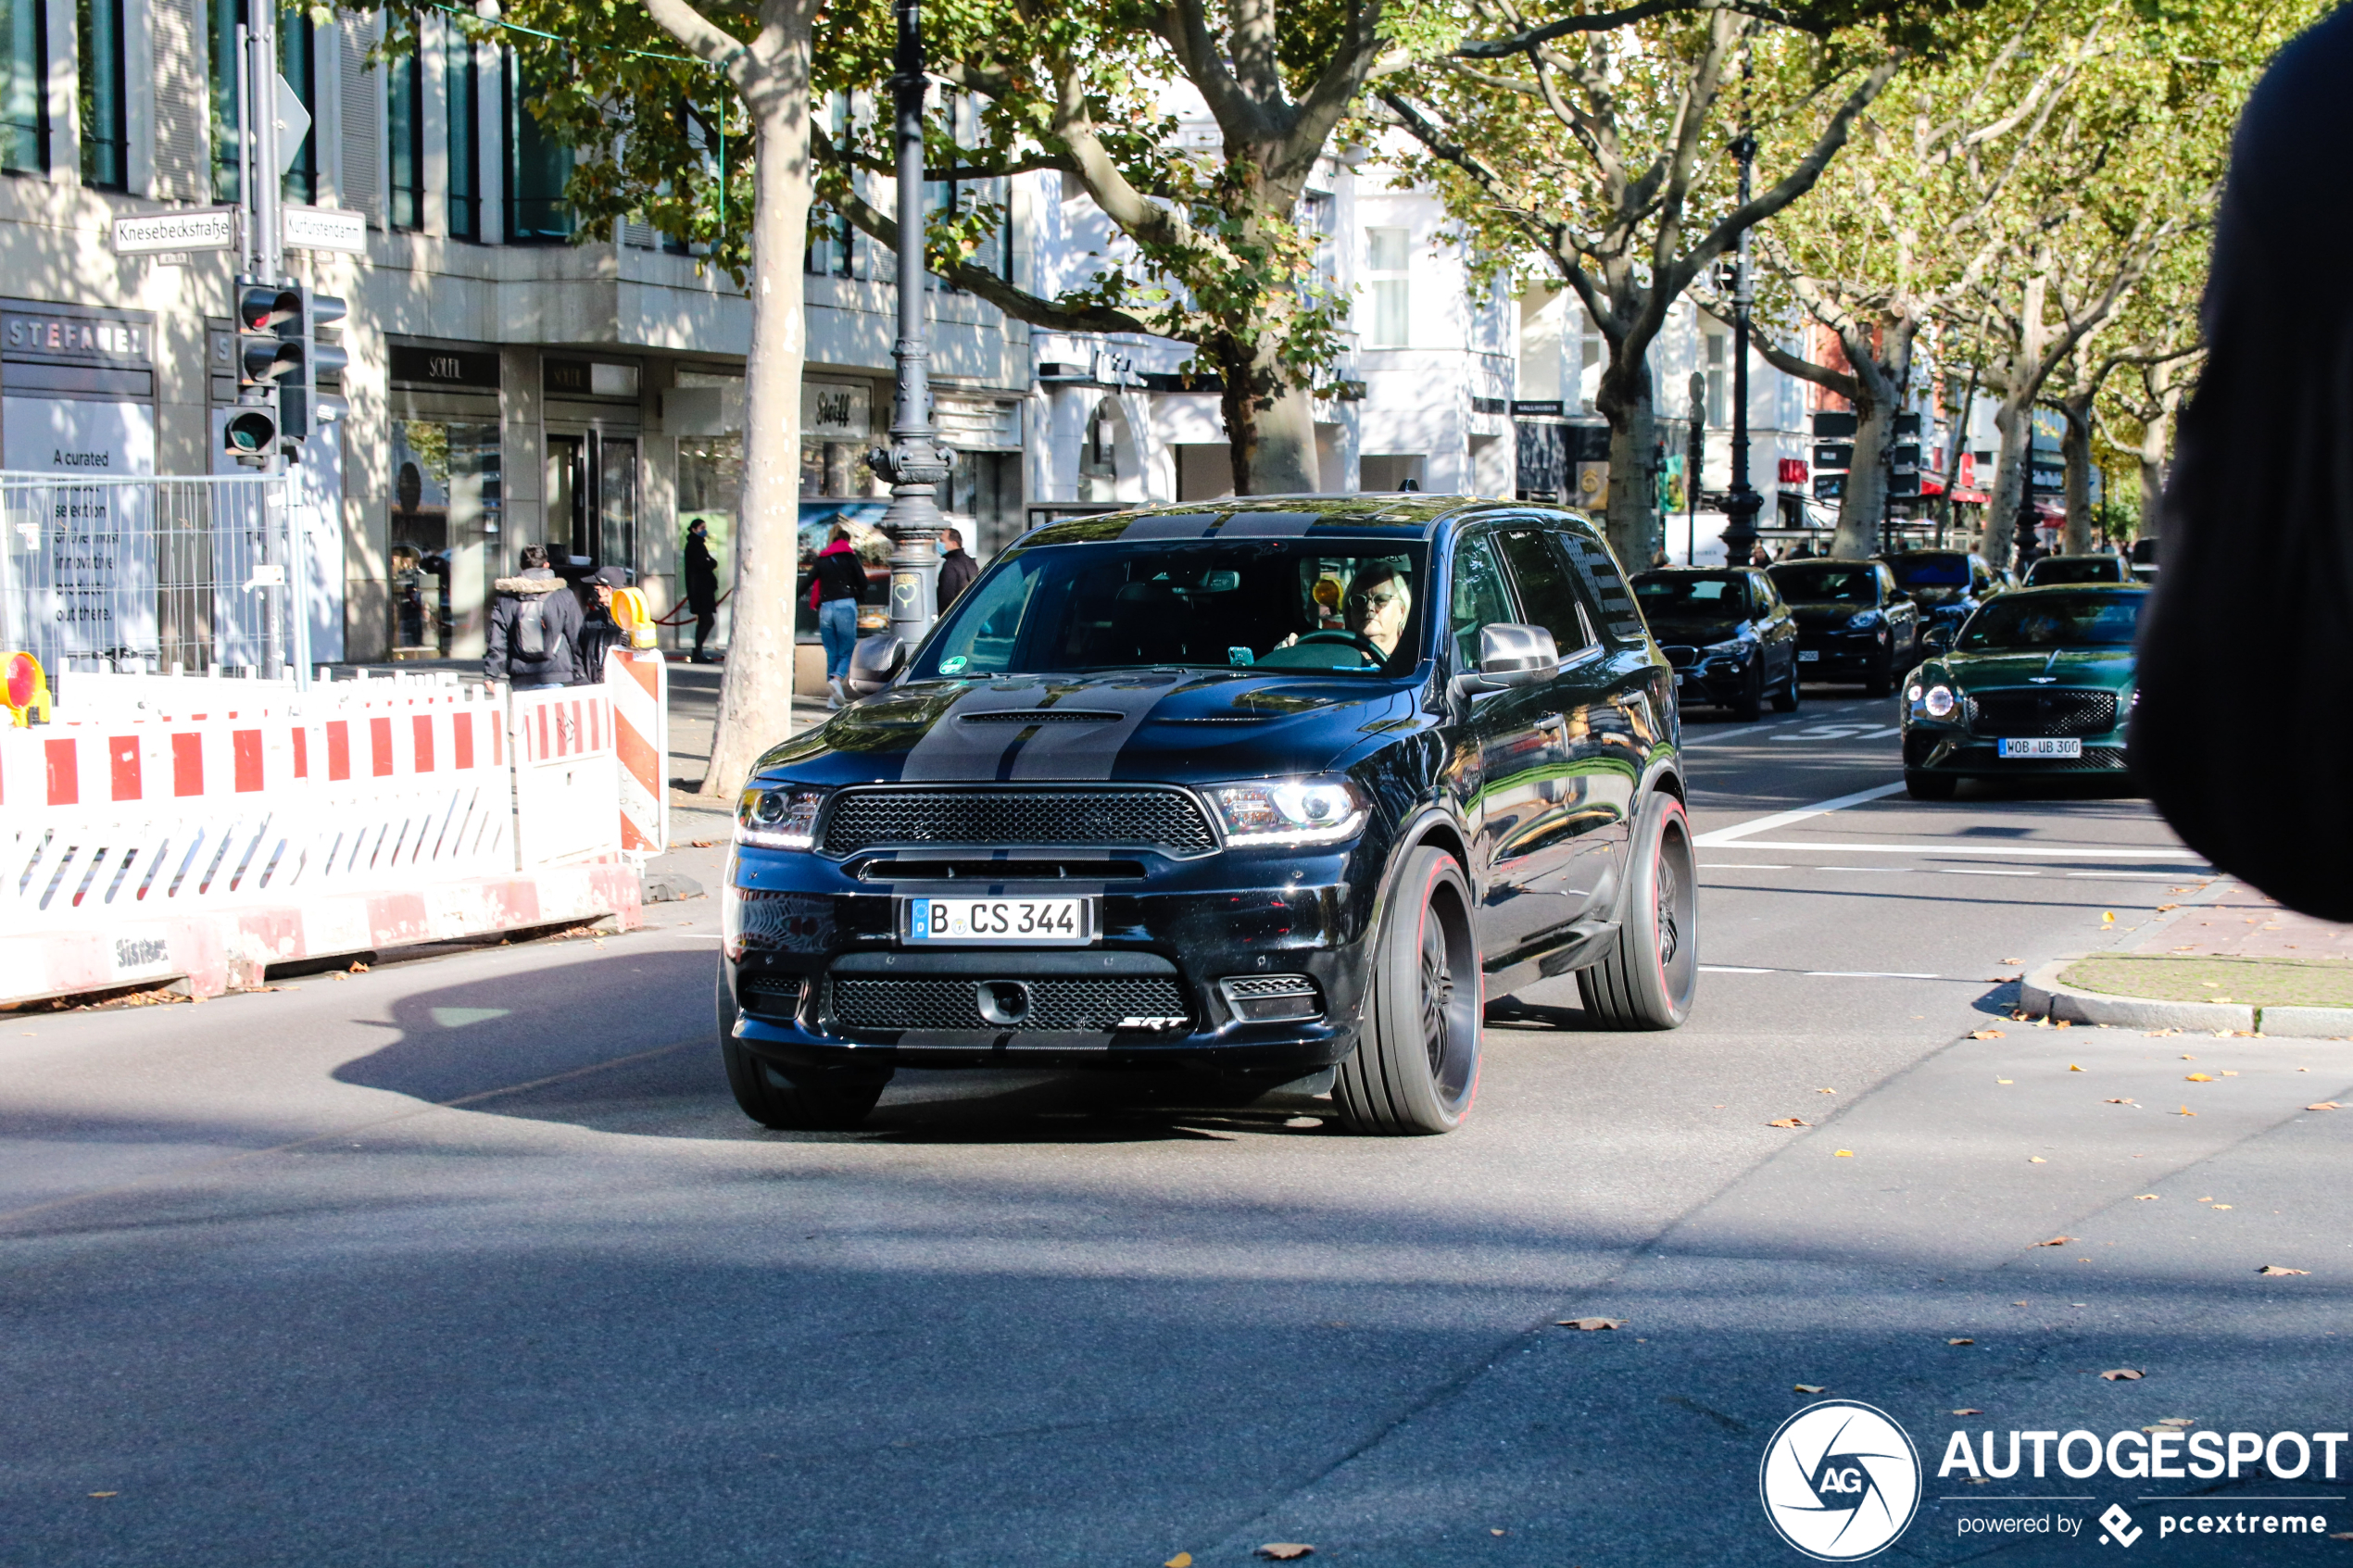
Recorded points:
(1552, 722)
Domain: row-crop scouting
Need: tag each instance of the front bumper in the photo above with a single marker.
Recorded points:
(1718, 680)
(814, 960)
(1821, 654)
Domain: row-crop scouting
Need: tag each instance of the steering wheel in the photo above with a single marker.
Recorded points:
(1356, 640)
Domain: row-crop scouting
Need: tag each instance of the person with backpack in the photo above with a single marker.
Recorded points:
(837, 580)
(535, 627)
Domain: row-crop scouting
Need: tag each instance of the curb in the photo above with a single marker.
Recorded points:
(2043, 993)
(206, 954)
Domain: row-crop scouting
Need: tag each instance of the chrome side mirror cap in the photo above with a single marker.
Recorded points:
(874, 663)
(1511, 656)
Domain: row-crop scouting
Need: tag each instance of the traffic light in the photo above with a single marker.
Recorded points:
(265, 360)
(318, 358)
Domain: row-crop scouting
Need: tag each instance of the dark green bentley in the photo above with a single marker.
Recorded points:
(2038, 682)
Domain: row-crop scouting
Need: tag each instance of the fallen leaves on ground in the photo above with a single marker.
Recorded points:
(1969, 1411)
(1844, 1154)
(1808, 1388)
(1826, 1091)
(1590, 1325)
(2006, 1080)
(2221, 1207)
(1987, 1034)
(1182, 1560)
(2197, 1077)
(2325, 1105)
(359, 968)
(2275, 1269)
(2116, 1102)
(2013, 960)
(2036, 1159)
(2145, 1198)
(2107, 917)
(2056, 1241)
(2072, 1068)
(1789, 1121)
(2064, 1023)
(1960, 1342)
(2159, 1033)
(1284, 1551)
(2185, 1111)
(106, 1494)
(2123, 1374)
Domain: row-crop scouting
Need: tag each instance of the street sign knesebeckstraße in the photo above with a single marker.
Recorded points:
(324, 227)
(204, 228)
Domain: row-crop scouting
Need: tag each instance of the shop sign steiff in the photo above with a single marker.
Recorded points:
(835, 409)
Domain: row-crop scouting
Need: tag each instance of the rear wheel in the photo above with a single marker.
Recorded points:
(1785, 700)
(803, 1099)
(1750, 704)
(1880, 681)
(1416, 1067)
(1652, 972)
(1929, 786)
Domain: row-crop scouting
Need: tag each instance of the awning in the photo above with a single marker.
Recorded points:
(1975, 497)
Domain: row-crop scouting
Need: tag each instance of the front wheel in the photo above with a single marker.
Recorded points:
(1785, 700)
(1416, 1067)
(1652, 972)
(1881, 681)
(814, 1100)
(1750, 704)
(1929, 786)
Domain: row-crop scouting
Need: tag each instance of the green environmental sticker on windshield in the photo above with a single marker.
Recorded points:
(1239, 656)
(953, 664)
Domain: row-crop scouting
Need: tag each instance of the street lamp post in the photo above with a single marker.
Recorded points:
(1743, 503)
(913, 463)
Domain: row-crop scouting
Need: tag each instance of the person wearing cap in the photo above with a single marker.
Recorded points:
(598, 630)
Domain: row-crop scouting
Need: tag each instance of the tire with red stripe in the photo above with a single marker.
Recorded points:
(1415, 1066)
(1652, 972)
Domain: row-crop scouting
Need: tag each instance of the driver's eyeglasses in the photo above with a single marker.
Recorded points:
(1376, 601)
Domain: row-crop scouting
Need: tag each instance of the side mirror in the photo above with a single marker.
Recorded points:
(874, 663)
(1936, 642)
(1511, 656)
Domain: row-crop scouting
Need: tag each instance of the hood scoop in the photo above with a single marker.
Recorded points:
(1040, 716)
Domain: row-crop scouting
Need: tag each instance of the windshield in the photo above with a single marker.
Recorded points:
(1685, 596)
(2064, 569)
(1281, 604)
(1930, 572)
(2055, 620)
(1828, 584)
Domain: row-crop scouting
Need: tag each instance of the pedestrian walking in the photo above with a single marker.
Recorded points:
(600, 632)
(957, 570)
(2244, 635)
(702, 585)
(840, 578)
(535, 627)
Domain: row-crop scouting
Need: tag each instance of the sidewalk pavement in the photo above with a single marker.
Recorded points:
(2230, 960)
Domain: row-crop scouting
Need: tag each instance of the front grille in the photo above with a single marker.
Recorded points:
(1680, 655)
(2026, 712)
(1066, 1003)
(772, 996)
(1162, 819)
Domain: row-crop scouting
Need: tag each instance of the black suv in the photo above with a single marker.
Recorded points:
(1255, 787)
(1854, 624)
(1949, 585)
(1727, 633)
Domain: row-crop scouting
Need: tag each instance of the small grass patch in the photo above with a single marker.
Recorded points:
(2263, 983)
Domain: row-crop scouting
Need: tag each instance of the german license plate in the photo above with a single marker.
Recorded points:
(2038, 746)
(1809, 655)
(1021, 923)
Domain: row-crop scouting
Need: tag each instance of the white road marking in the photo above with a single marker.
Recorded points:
(1742, 866)
(1988, 870)
(1891, 871)
(1783, 819)
(2137, 876)
(1932, 846)
(1866, 974)
(1732, 969)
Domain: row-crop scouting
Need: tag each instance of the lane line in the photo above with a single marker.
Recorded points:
(1867, 974)
(1733, 968)
(1884, 871)
(1742, 866)
(1990, 871)
(1933, 846)
(1783, 819)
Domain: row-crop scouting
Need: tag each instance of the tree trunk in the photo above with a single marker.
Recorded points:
(2157, 435)
(1270, 441)
(1863, 505)
(1633, 484)
(755, 695)
(2015, 420)
(2076, 448)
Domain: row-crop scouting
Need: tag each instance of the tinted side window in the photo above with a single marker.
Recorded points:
(1479, 598)
(1547, 591)
(1598, 570)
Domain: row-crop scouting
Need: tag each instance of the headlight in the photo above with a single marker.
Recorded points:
(1862, 621)
(1913, 694)
(1938, 701)
(778, 819)
(1737, 648)
(1289, 811)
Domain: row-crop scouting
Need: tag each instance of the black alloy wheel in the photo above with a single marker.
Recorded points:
(1921, 785)
(813, 1099)
(1785, 700)
(1750, 704)
(1415, 1066)
(1880, 680)
(1652, 972)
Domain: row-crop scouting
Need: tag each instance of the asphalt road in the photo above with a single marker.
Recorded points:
(473, 1261)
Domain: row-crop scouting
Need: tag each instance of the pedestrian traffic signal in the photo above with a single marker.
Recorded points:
(251, 434)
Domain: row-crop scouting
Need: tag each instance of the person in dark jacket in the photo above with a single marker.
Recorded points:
(600, 632)
(840, 580)
(702, 585)
(957, 570)
(535, 627)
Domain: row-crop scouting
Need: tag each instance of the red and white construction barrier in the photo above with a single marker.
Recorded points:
(639, 682)
(211, 827)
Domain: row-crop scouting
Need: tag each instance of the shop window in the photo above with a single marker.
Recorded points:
(711, 487)
(538, 166)
(836, 470)
(97, 26)
(24, 86)
(464, 80)
(446, 497)
(223, 18)
(1388, 260)
(405, 133)
(592, 502)
(985, 487)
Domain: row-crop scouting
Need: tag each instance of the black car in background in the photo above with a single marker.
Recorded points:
(1854, 624)
(1252, 788)
(1727, 633)
(1949, 585)
(2060, 572)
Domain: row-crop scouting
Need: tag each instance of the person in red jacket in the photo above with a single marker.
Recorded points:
(839, 581)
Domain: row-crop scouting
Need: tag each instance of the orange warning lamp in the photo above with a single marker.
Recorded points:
(629, 613)
(27, 690)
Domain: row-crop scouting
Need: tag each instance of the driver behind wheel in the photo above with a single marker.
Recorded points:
(1378, 605)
